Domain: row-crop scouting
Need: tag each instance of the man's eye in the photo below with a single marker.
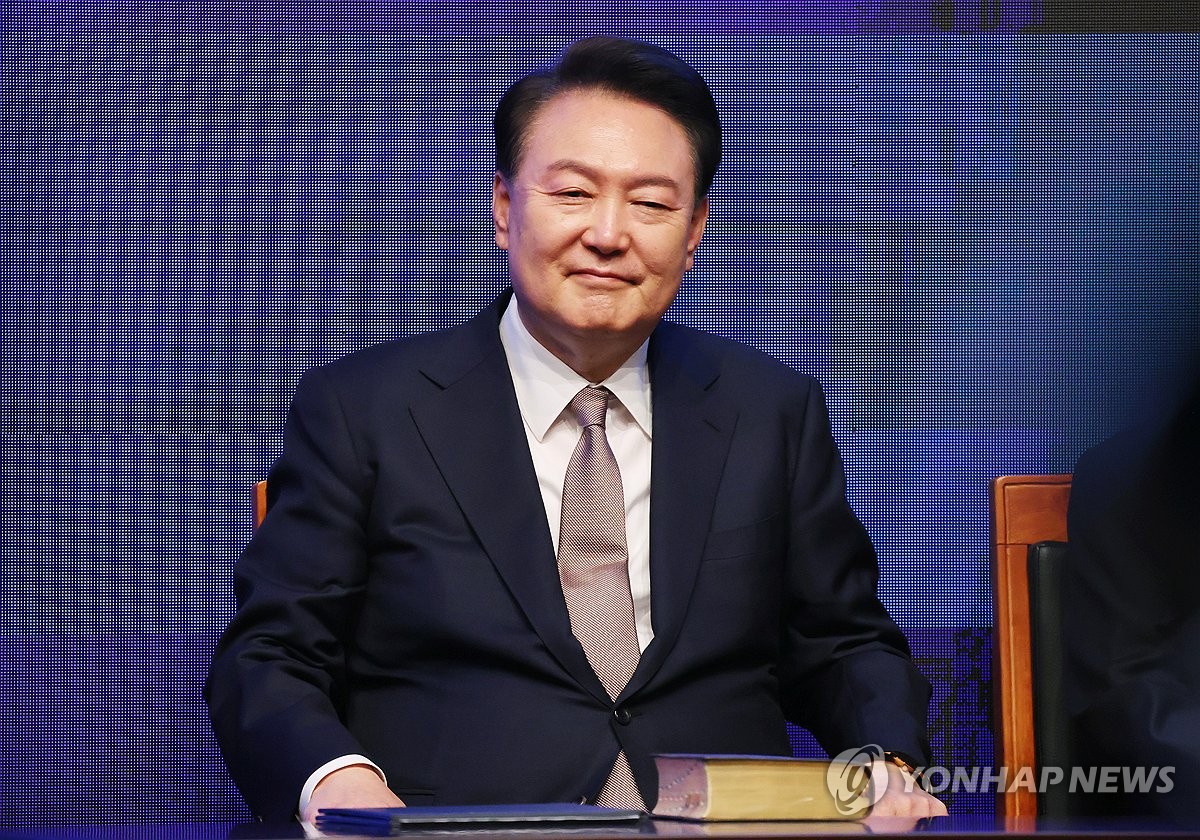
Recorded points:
(573, 194)
(652, 205)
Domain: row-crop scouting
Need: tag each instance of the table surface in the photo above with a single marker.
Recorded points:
(944, 827)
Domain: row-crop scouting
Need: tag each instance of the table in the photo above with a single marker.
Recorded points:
(977, 828)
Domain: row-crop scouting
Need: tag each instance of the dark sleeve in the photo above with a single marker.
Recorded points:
(1131, 619)
(848, 676)
(275, 682)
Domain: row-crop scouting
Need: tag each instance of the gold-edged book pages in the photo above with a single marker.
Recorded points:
(750, 788)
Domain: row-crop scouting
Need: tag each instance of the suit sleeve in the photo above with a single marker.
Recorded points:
(276, 679)
(847, 676)
(1131, 621)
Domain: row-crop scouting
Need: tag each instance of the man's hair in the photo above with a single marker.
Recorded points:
(632, 69)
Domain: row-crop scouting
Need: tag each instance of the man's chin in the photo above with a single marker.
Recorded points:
(609, 327)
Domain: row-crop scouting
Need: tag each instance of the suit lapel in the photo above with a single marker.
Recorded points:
(692, 432)
(474, 432)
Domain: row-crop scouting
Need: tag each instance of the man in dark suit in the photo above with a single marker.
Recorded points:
(402, 632)
(1131, 609)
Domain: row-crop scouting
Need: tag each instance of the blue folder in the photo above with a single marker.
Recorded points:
(426, 818)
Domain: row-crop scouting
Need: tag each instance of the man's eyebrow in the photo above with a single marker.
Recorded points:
(568, 165)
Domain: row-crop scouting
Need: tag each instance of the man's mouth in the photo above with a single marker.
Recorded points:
(602, 276)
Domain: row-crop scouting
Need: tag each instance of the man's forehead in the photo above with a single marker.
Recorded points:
(550, 131)
(579, 98)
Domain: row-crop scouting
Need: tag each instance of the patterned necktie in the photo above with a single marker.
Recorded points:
(593, 565)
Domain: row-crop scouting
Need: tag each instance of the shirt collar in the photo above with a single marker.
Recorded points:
(545, 384)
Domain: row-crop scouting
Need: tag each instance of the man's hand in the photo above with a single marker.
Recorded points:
(903, 797)
(356, 786)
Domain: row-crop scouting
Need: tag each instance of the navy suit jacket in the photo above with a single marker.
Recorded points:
(401, 598)
(1131, 610)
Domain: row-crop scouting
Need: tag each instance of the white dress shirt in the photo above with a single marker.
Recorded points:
(545, 385)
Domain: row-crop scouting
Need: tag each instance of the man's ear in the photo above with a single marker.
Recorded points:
(500, 204)
(696, 230)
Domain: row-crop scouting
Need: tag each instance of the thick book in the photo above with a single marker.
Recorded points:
(756, 787)
(423, 818)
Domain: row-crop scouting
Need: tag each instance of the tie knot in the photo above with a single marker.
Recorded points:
(590, 406)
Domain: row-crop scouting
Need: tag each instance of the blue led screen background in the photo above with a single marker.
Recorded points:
(982, 242)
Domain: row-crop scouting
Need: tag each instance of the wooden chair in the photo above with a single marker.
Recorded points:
(260, 502)
(1025, 510)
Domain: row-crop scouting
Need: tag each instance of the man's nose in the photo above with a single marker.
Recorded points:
(608, 228)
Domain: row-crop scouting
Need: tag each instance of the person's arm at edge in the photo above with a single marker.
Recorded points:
(349, 781)
(277, 667)
(853, 676)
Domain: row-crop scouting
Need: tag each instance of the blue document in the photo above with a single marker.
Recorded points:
(425, 818)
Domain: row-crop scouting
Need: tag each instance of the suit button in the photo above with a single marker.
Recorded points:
(622, 715)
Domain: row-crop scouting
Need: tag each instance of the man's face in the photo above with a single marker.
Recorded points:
(600, 219)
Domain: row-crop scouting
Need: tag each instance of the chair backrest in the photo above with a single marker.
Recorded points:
(1051, 723)
(260, 502)
(1025, 510)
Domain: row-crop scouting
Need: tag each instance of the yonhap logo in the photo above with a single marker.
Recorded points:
(856, 779)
